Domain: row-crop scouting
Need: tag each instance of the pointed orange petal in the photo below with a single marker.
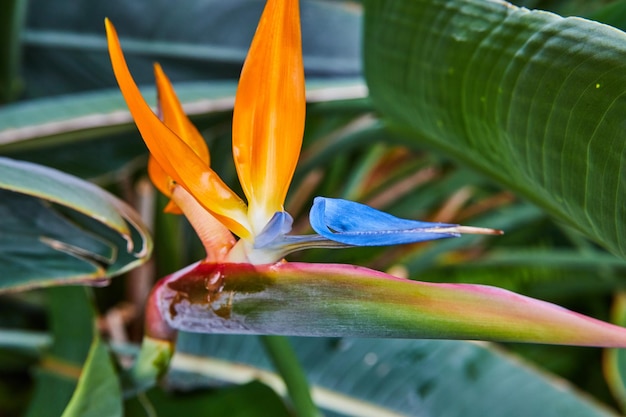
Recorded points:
(173, 155)
(175, 118)
(268, 121)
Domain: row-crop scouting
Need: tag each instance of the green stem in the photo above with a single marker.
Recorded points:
(286, 363)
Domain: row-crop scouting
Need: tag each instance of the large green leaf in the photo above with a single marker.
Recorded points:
(369, 377)
(55, 228)
(531, 99)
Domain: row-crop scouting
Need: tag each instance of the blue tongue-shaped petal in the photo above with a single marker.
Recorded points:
(356, 224)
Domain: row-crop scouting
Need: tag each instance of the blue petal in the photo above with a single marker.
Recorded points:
(356, 224)
(278, 226)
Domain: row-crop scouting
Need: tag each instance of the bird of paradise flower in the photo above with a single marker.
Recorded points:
(246, 242)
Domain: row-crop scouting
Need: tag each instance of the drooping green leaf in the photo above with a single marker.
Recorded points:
(376, 377)
(56, 229)
(533, 100)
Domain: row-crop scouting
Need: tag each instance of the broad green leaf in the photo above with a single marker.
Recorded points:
(98, 392)
(346, 300)
(392, 377)
(56, 229)
(531, 99)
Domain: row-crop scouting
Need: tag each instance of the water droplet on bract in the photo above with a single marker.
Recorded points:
(212, 279)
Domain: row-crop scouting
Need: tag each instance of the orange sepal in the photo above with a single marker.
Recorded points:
(174, 117)
(268, 120)
(174, 156)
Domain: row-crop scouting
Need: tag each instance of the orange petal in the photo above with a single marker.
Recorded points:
(176, 158)
(175, 118)
(268, 121)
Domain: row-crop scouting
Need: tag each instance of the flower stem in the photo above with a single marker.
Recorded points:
(286, 363)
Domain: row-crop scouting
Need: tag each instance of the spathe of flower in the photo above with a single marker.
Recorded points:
(268, 125)
(269, 112)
